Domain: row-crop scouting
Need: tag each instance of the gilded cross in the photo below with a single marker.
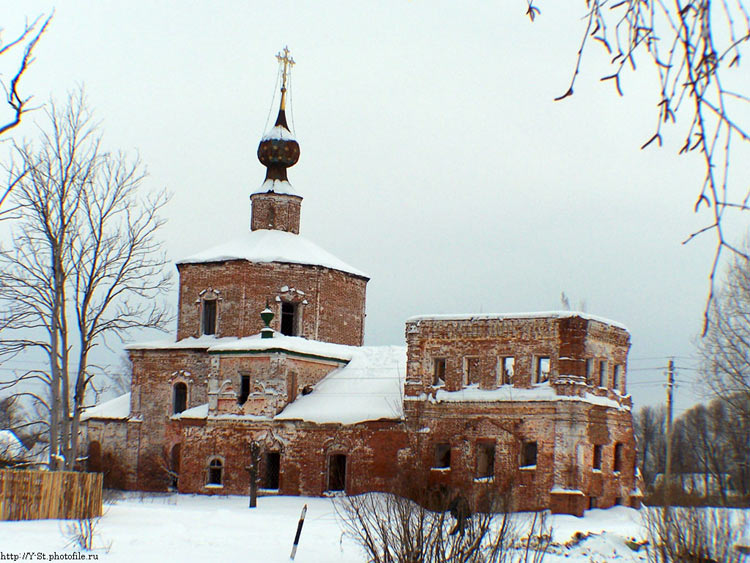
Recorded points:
(288, 62)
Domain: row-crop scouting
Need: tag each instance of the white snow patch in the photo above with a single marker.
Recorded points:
(509, 393)
(117, 408)
(278, 132)
(10, 446)
(369, 387)
(277, 186)
(202, 343)
(266, 245)
(289, 343)
(201, 411)
(506, 316)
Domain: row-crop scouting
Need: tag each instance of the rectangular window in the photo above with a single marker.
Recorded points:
(589, 371)
(618, 458)
(442, 456)
(471, 365)
(485, 459)
(337, 472)
(289, 319)
(528, 454)
(616, 377)
(597, 457)
(272, 470)
(244, 389)
(602, 373)
(209, 316)
(438, 372)
(507, 364)
(542, 369)
(592, 503)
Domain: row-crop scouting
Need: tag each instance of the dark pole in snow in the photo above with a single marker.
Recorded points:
(299, 531)
(254, 462)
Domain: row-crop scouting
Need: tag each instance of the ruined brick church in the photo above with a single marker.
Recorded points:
(268, 373)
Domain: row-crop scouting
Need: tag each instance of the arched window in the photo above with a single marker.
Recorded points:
(215, 468)
(179, 397)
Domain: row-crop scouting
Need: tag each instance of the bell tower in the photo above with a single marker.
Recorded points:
(275, 206)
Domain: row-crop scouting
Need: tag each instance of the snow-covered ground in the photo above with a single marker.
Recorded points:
(199, 528)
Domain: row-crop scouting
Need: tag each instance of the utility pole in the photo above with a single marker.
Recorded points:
(668, 464)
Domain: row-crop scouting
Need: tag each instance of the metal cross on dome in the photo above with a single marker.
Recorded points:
(288, 62)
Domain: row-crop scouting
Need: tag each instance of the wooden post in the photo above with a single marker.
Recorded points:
(299, 531)
(253, 469)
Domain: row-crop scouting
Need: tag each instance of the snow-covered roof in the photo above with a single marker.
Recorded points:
(278, 132)
(118, 408)
(277, 186)
(544, 392)
(201, 411)
(10, 446)
(202, 343)
(266, 245)
(504, 316)
(294, 344)
(369, 387)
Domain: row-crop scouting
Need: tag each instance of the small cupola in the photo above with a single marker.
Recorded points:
(275, 206)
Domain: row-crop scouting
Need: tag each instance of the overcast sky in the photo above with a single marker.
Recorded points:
(433, 156)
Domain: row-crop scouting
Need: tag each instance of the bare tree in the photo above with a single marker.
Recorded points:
(649, 425)
(28, 39)
(85, 264)
(695, 46)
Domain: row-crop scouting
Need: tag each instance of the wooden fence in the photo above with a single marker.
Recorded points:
(32, 495)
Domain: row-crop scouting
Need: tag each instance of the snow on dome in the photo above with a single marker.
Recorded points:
(118, 408)
(369, 387)
(278, 132)
(503, 316)
(10, 446)
(276, 186)
(266, 245)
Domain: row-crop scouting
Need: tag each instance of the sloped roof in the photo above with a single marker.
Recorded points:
(117, 408)
(265, 245)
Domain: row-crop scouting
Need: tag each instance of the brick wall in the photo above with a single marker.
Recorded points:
(330, 303)
(276, 211)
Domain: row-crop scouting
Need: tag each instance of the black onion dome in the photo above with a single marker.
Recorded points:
(278, 150)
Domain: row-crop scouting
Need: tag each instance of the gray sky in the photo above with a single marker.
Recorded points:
(433, 156)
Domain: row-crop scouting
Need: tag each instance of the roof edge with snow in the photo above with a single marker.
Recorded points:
(509, 316)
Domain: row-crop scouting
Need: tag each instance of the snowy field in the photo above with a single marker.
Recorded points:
(188, 528)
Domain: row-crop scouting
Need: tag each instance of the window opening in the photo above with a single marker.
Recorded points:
(215, 472)
(616, 376)
(485, 459)
(618, 458)
(438, 372)
(179, 401)
(603, 373)
(592, 503)
(528, 454)
(244, 389)
(273, 467)
(542, 369)
(94, 458)
(337, 472)
(597, 457)
(209, 316)
(472, 371)
(507, 365)
(442, 456)
(288, 319)
(589, 371)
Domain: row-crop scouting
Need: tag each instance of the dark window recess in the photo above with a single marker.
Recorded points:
(209, 316)
(589, 371)
(485, 460)
(602, 373)
(94, 460)
(592, 503)
(618, 458)
(244, 389)
(288, 319)
(528, 454)
(214, 472)
(442, 456)
(438, 371)
(597, 457)
(174, 465)
(616, 377)
(618, 501)
(472, 371)
(271, 474)
(179, 402)
(337, 472)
